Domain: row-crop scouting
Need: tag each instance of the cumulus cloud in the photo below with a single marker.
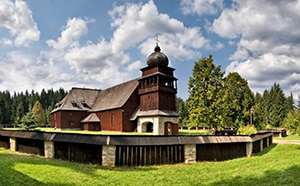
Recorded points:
(135, 23)
(20, 71)
(75, 28)
(267, 34)
(107, 61)
(201, 7)
(17, 18)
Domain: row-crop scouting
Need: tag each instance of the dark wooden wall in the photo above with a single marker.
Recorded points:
(30, 146)
(106, 123)
(130, 106)
(4, 142)
(220, 152)
(63, 119)
(256, 146)
(77, 152)
(149, 155)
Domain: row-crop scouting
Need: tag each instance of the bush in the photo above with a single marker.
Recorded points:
(28, 121)
(247, 130)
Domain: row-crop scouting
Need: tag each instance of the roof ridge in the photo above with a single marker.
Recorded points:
(121, 83)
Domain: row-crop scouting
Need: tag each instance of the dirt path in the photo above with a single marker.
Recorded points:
(296, 142)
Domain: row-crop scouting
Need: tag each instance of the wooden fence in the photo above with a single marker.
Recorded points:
(220, 152)
(78, 152)
(134, 150)
(31, 146)
(149, 155)
(4, 142)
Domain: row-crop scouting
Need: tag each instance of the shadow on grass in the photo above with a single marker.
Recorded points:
(289, 176)
(266, 150)
(10, 175)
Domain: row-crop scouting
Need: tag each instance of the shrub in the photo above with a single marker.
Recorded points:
(247, 130)
(28, 121)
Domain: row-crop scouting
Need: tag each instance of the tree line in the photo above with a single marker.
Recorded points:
(217, 101)
(14, 107)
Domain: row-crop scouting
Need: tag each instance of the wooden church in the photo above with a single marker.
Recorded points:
(145, 104)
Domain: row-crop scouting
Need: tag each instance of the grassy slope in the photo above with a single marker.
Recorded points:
(279, 166)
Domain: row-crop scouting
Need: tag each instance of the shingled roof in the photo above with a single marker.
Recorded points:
(78, 99)
(81, 99)
(115, 97)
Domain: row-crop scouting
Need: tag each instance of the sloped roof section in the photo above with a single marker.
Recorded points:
(92, 118)
(78, 99)
(115, 97)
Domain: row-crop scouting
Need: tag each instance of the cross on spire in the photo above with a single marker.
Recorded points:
(156, 39)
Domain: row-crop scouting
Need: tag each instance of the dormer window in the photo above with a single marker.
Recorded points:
(73, 102)
(84, 103)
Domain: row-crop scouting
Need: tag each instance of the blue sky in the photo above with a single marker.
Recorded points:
(100, 43)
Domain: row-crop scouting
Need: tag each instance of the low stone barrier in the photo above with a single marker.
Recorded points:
(116, 150)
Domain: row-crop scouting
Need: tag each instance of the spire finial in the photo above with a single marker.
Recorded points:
(157, 48)
(156, 39)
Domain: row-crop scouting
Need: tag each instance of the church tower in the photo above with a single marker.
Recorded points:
(157, 90)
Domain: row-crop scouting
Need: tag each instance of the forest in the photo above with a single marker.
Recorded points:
(14, 107)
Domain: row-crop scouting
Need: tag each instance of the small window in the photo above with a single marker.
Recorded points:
(71, 123)
(112, 119)
(71, 114)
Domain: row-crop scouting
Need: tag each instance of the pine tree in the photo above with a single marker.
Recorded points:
(204, 89)
(278, 110)
(238, 100)
(39, 113)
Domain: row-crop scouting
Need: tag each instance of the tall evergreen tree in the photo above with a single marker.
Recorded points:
(238, 100)
(278, 110)
(204, 89)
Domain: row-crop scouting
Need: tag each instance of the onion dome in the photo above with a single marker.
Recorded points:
(157, 58)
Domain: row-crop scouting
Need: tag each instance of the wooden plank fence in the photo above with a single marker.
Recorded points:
(4, 142)
(134, 150)
(78, 152)
(220, 152)
(30, 146)
(149, 155)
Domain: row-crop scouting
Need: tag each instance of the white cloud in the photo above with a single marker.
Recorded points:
(17, 18)
(20, 72)
(7, 42)
(134, 66)
(201, 7)
(267, 34)
(74, 29)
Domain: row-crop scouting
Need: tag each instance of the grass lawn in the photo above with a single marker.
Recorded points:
(290, 137)
(277, 165)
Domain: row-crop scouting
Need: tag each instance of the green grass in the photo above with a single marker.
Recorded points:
(277, 165)
(193, 132)
(290, 137)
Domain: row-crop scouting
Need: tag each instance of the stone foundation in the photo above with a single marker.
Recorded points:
(13, 143)
(249, 148)
(49, 149)
(108, 155)
(190, 153)
(261, 145)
